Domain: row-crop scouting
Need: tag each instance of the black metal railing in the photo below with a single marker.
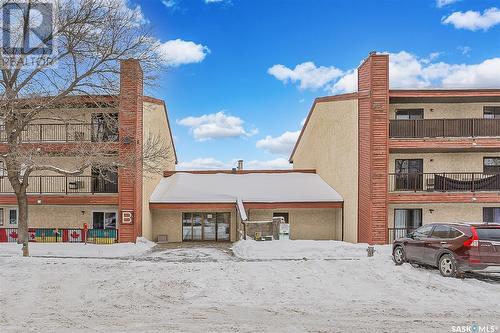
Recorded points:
(63, 185)
(436, 128)
(64, 235)
(395, 233)
(444, 182)
(75, 132)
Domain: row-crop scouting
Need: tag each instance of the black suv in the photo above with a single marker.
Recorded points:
(454, 248)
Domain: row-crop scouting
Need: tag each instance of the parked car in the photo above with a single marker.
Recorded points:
(452, 247)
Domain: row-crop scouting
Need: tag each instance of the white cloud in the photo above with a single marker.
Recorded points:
(169, 3)
(473, 20)
(307, 74)
(215, 126)
(278, 163)
(202, 164)
(442, 3)
(465, 50)
(347, 83)
(407, 71)
(214, 1)
(281, 145)
(210, 163)
(179, 52)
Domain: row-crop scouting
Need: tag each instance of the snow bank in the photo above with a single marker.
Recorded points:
(299, 249)
(79, 249)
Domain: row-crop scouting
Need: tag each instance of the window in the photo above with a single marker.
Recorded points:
(3, 171)
(491, 214)
(104, 181)
(283, 215)
(423, 232)
(441, 231)
(491, 112)
(104, 220)
(409, 219)
(1, 216)
(206, 226)
(409, 174)
(13, 216)
(454, 233)
(410, 114)
(104, 127)
(491, 165)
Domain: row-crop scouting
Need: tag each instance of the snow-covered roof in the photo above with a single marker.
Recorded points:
(183, 187)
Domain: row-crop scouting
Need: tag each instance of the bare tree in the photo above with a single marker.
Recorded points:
(91, 37)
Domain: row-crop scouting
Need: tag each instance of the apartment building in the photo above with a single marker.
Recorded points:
(404, 158)
(117, 202)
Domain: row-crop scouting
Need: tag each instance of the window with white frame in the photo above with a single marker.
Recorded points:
(1, 217)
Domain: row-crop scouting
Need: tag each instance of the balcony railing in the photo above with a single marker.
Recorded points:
(444, 182)
(78, 132)
(395, 233)
(63, 185)
(441, 128)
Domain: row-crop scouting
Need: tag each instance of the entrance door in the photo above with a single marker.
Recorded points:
(206, 226)
(223, 226)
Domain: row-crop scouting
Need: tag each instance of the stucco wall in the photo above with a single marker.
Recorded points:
(445, 212)
(169, 222)
(155, 124)
(306, 223)
(445, 162)
(329, 144)
(444, 110)
(59, 216)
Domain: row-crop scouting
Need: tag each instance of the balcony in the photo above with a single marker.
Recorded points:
(54, 133)
(63, 185)
(444, 128)
(444, 182)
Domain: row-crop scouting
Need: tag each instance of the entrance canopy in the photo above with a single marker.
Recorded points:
(292, 188)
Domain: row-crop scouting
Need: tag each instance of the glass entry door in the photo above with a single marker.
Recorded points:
(206, 226)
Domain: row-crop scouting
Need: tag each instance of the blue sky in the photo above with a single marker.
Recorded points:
(243, 73)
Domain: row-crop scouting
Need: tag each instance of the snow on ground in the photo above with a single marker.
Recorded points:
(300, 249)
(81, 250)
(237, 295)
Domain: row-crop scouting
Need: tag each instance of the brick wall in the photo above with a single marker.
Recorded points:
(373, 109)
(130, 123)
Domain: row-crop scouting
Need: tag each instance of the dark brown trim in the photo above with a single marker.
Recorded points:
(280, 205)
(153, 100)
(343, 97)
(201, 205)
(237, 172)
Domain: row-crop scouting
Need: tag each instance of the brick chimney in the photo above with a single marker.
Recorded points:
(130, 132)
(373, 113)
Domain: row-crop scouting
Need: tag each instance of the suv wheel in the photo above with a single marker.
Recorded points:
(447, 266)
(398, 255)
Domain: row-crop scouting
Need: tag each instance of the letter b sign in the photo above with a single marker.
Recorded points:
(127, 217)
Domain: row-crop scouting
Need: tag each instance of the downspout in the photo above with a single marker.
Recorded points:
(342, 221)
